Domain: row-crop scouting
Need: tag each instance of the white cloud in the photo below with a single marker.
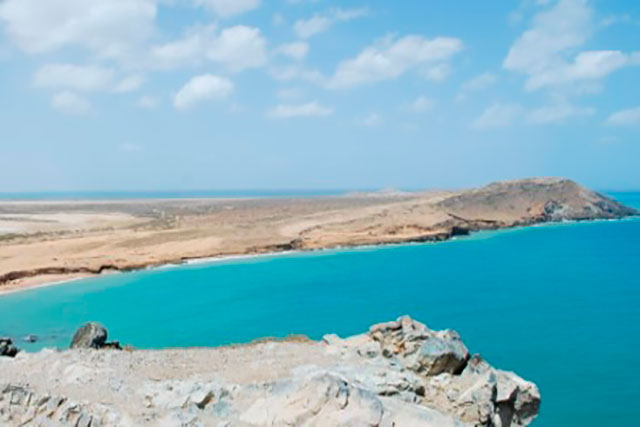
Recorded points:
(148, 102)
(566, 25)
(295, 50)
(296, 72)
(421, 105)
(306, 28)
(558, 113)
(188, 50)
(372, 120)
(311, 109)
(497, 116)
(588, 66)
(129, 84)
(77, 77)
(108, 28)
(70, 103)
(206, 87)
(628, 117)
(438, 73)
(238, 48)
(476, 84)
(390, 58)
(227, 8)
(545, 52)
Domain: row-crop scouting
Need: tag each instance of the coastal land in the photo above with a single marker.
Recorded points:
(49, 241)
(398, 373)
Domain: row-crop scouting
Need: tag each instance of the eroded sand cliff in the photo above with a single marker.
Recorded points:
(58, 240)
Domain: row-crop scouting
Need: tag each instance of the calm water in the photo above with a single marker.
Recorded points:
(125, 195)
(558, 304)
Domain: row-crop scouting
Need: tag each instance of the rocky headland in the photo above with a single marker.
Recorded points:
(54, 241)
(399, 373)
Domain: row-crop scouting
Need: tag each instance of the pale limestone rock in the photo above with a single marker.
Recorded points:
(419, 348)
(399, 373)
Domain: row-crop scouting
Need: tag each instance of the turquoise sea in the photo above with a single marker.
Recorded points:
(558, 304)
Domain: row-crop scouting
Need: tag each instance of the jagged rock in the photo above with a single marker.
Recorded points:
(21, 406)
(435, 369)
(7, 348)
(399, 373)
(484, 396)
(93, 335)
(419, 348)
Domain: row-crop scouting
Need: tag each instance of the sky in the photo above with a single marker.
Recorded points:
(150, 95)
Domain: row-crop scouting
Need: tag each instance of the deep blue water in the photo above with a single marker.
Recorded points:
(558, 304)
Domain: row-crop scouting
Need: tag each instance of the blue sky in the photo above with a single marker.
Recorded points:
(317, 94)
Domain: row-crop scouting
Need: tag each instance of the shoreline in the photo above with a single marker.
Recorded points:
(95, 238)
(43, 280)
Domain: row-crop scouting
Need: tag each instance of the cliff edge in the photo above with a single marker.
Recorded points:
(399, 373)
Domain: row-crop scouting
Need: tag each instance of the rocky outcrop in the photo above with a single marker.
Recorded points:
(397, 374)
(433, 368)
(420, 349)
(7, 348)
(23, 407)
(92, 335)
(528, 201)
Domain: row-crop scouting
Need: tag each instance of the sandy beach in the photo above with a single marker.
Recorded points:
(49, 242)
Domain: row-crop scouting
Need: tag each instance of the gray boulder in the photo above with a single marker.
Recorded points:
(91, 335)
(326, 398)
(7, 348)
(420, 349)
(469, 389)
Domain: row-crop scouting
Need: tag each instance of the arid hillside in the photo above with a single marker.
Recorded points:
(46, 241)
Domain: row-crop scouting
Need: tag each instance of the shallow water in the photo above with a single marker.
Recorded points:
(559, 304)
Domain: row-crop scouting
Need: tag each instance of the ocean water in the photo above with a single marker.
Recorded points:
(558, 304)
(128, 195)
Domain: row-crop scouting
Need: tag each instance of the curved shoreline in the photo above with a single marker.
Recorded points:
(86, 242)
(33, 282)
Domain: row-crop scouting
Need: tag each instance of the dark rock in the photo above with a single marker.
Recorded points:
(91, 335)
(30, 338)
(459, 230)
(7, 348)
(113, 345)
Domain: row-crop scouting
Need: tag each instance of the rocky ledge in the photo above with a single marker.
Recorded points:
(399, 373)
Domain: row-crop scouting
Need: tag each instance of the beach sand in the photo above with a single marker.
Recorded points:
(49, 241)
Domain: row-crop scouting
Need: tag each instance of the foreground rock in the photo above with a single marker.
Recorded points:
(398, 374)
